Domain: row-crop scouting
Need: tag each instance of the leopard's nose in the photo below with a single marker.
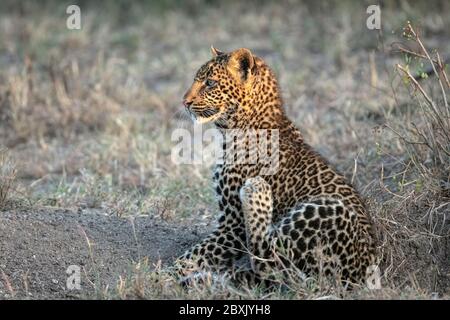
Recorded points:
(187, 103)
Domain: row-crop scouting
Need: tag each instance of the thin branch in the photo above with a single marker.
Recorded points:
(442, 67)
(427, 98)
(418, 86)
(425, 51)
(413, 53)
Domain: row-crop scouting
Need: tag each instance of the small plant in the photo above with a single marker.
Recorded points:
(412, 218)
(7, 176)
(428, 139)
(436, 110)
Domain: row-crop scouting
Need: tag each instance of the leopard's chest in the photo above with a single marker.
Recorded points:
(227, 183)
(228, 180)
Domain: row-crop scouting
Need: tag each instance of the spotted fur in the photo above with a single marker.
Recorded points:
(304, 214)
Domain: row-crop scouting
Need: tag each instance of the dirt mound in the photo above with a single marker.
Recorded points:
(37, 247)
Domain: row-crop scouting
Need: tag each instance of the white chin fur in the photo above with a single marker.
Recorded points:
(203, 120)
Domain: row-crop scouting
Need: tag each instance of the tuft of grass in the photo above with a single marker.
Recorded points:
(63, 108)
(7, 176)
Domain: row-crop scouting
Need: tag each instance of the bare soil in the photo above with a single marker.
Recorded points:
(38, 245)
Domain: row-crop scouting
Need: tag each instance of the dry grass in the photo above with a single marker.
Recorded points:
(415, 226)
(7, 176)
(88, 116)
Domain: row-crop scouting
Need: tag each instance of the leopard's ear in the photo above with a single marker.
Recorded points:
(241, 64)
(216, 52)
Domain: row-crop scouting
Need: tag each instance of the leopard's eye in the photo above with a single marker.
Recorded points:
(210, 83)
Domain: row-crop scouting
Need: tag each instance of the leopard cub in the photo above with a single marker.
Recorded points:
(303, 215)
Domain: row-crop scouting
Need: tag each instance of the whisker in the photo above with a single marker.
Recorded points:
(181, 119)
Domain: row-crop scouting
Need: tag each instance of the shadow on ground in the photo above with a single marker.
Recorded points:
(37, 246)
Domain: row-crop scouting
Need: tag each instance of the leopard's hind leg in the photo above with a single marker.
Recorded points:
(322, 235)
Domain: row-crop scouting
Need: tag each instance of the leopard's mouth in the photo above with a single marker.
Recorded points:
(203, 115)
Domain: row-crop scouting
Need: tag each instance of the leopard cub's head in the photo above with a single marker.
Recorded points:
(224, 88)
